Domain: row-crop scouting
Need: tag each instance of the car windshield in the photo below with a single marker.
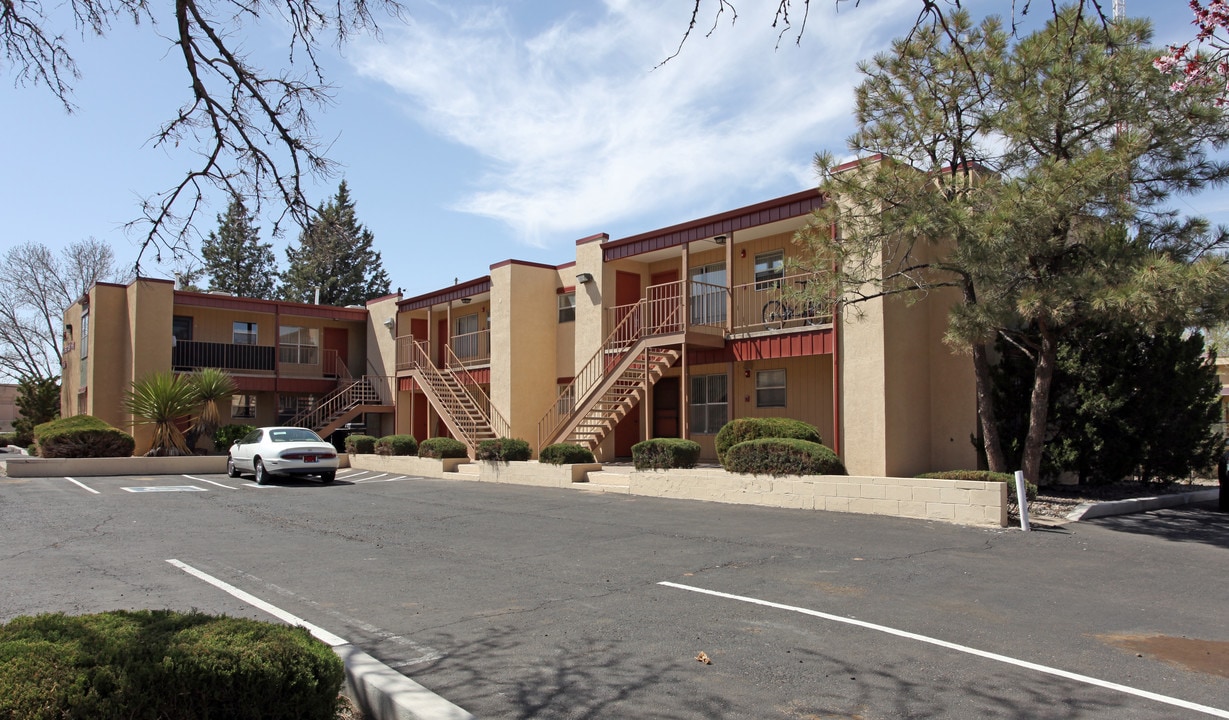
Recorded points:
(282, 435)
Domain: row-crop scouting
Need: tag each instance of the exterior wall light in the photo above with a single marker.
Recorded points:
(466, 301)
(720, 239)
(584, 278)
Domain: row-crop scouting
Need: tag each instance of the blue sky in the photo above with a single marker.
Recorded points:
(478, 132)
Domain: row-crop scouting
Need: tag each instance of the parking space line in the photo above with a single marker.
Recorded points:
(228, 487)
(962, 648)
(83, 485)
(319, 633)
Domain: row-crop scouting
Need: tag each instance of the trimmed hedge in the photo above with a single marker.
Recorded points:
(81, 436)
(442, 447)
(228, 435)
(153, 664)
(397, 445)
(985, 476)
(744, 429)
(504, 450)
(565, 454)
(663, 453)
(360, 444)
(783, 456)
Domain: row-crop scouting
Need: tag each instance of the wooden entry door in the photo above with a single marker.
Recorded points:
(336, 340)
(666, 408)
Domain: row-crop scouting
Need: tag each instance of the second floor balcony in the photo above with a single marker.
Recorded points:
(298, 361)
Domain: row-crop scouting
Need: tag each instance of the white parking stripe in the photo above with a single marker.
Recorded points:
(373, 477)
(319, 633)
(961, 648)
(228, 487)
(82, 485)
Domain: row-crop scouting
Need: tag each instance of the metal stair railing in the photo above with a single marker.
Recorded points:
(619, 397)
(658, 313)
(460, 409)
(495, 421)
(338, 402)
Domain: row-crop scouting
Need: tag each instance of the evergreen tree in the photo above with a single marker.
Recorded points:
(1124, 403)
(38, 401)
(1006, 171)
(236, 260)
(336, 255)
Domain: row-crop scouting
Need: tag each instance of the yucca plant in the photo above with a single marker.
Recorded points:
(159, 399)
(211, 386)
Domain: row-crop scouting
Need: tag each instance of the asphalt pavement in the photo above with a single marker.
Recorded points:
(521, 602)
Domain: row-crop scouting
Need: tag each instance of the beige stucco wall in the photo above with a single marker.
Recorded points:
(524, 319)
(150, 306)
(8, 407)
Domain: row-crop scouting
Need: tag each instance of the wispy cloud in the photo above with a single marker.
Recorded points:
(581, 124)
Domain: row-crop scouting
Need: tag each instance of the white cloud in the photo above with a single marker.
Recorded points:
(581, 124)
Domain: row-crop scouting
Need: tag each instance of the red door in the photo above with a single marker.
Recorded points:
(666, 408)
(336, 349)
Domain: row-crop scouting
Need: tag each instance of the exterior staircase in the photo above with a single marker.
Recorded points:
(463, 406)
(617, 378)
(351, 399)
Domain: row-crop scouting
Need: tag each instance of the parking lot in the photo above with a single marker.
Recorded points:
(513, 601)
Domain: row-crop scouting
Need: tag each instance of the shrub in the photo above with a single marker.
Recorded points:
(397, 445)
(228, 435)
(661, 453)
(504, 450)
(783, 456)
(744, 429)
(163, 664)
(565, 454)
(360, 444)
(442, 447)
(985, 476)
(81, 436)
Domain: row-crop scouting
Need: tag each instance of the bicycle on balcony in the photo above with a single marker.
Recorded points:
(776, 313)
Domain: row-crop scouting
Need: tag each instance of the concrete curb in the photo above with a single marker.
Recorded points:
(385, 694)
(1088, 511)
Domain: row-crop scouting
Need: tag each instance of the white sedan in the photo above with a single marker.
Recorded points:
(271, 451)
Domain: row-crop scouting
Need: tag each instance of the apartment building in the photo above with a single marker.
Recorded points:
(669, 333)
(285, 357)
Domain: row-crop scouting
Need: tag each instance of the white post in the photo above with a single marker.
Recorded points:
(1022, 497)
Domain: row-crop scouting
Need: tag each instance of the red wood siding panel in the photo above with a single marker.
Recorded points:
(406, 384)
(456, 292)
(305, 385)
(228, 302)
(816, 342)
(246, 384)
(481, 376)
(763, 213)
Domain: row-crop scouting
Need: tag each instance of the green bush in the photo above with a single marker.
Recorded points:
(81, 436)
(147, 665)
(783, 456)
(985, 476)
(228, 435)
(442, 447)
(504, 450)
(7, 439)
(565, 454)
(360, 444)
(661, 453)
(744, 429)
(397, 445)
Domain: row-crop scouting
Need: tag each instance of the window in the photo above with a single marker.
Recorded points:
(244, 333)
(465, 337)
(181, 327)
(288, 406)
(769, 269)
(709, 404)
(85, 336)
(708, 295)
(243, 406)
(567, 307)
(567, 399)
(770, 388)
(300, 345)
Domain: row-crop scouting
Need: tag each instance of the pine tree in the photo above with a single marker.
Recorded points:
(236, 260)
(1008, 172)
(335, 255)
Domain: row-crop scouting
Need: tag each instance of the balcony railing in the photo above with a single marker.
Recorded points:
(192, 354)
(469, 350)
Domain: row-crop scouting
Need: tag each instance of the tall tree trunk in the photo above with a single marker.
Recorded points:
(1039, 403)
(985, 409)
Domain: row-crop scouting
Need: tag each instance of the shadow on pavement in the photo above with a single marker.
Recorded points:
(1198, 522)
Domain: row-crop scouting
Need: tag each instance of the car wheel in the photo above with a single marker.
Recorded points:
(328, 477)
(262, 476)
(231, 470)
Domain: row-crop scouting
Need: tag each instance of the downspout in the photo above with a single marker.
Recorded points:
(836, 366)
(277, 363)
